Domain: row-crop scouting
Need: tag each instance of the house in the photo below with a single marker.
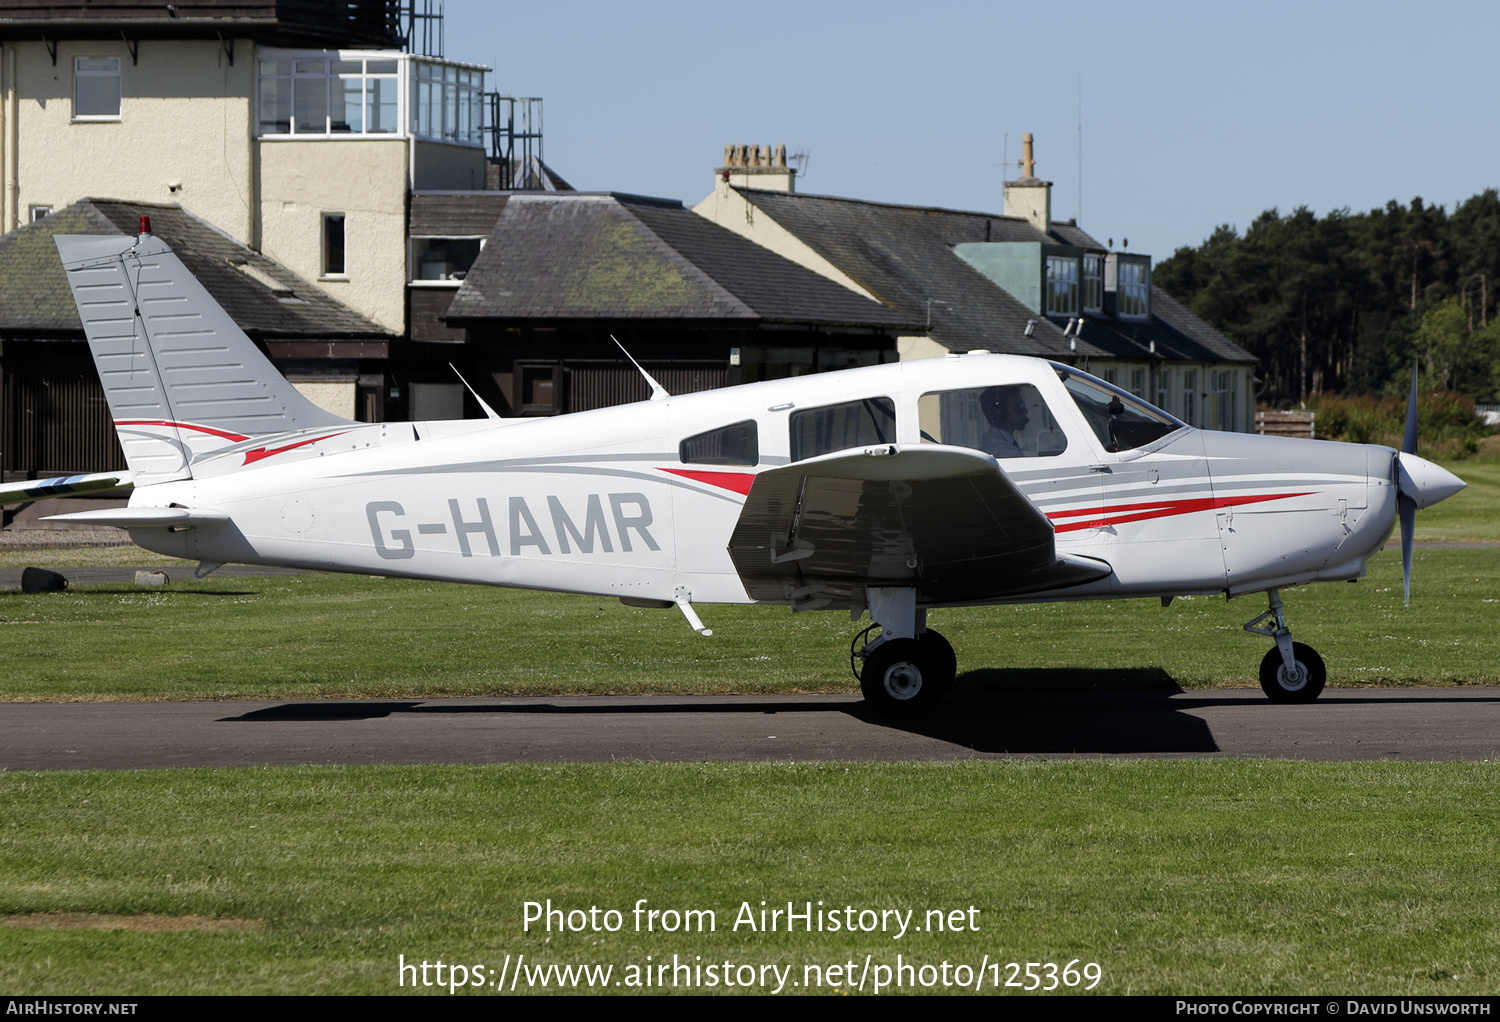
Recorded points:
(53, 417)
(1017, 282)
(562, 276)
(297, 130)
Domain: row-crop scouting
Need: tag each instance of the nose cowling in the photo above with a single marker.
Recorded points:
(1424, 483)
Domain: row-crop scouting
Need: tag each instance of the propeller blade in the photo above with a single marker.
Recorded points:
(1409, 440)
(1407, 509)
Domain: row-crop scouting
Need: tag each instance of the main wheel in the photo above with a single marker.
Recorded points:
(902, 678)
(1302, 687)
(941, 652)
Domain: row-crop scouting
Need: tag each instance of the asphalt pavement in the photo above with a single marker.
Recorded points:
(1344, 724)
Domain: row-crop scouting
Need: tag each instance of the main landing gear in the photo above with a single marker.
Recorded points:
(1292, 672)
(907, 666)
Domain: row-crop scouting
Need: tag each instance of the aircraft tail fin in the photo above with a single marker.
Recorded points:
(182, 380)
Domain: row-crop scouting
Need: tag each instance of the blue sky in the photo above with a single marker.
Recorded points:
(1194, 114)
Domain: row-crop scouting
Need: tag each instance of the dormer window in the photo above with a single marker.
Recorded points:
(1134, 301)
(1093, 282)
(1062, 286)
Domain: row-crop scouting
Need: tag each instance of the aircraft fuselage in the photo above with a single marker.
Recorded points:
(603, 502)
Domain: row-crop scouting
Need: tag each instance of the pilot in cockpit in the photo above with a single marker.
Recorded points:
(1004, 408)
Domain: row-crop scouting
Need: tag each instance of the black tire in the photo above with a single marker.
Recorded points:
(944, 659)
(1304, 689)
(902, 678)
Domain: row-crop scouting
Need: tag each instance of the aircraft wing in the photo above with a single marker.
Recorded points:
(98, 484)
(946, 521)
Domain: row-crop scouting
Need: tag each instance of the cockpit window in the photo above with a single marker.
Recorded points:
(1122, 421)
(1007, 421)
(818, 431)
(732, 445)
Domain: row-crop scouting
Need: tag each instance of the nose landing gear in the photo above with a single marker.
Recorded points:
(1292, 672)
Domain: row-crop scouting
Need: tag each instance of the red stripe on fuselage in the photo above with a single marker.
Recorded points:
(1120, 514)
(739, 482)
(260, 452)
(181, 425)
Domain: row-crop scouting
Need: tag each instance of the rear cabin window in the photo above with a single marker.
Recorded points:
(863, 423)
(1006, 421)
(738, 444)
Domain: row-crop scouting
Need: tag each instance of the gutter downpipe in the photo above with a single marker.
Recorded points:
(12, 197)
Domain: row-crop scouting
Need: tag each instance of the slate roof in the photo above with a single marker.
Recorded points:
(34, 294)
(612, 256)
(904, 256)
(1070, 233)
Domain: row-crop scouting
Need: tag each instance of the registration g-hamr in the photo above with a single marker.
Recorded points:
(951, 481)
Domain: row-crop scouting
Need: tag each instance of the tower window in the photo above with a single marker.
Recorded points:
(333, 244)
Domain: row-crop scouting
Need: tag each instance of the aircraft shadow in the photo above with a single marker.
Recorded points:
(373, 710)
(1065, 679)
(1065, 723)
(1021, 712)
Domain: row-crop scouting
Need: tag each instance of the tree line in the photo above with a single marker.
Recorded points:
(1343, 303)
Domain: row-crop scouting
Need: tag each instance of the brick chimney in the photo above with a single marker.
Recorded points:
(755, 166)
(1028, 196)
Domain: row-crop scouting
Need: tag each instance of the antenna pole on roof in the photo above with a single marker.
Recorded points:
(1079, 221)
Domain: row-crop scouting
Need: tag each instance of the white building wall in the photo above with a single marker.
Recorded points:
(362, 178)
(185, 120)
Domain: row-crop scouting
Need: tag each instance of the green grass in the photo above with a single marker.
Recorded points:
(1210, 877)
(1175, 876)
(1474, 513)
(335, 635)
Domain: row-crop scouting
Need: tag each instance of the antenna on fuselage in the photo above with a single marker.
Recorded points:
(489, 412)
(658, 392)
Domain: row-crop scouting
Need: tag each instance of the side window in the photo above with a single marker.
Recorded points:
(1120, 421)
(96, 88)
(446, 259)
(818, 431)
(1007, 421)
(732, 445)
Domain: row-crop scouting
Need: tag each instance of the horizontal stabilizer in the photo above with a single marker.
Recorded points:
(97, 484)
(142, 517)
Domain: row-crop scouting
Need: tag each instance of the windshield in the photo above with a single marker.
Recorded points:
(1121, 420)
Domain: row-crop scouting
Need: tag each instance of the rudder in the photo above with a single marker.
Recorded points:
(181, 378)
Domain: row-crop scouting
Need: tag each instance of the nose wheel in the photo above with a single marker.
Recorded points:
(1292, 672)
(1301, 684)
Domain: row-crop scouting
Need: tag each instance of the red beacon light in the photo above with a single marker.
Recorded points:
(145, 225)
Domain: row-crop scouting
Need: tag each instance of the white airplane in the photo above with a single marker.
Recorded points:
(954, 481)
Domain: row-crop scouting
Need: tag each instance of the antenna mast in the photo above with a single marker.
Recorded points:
(1080, 149)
